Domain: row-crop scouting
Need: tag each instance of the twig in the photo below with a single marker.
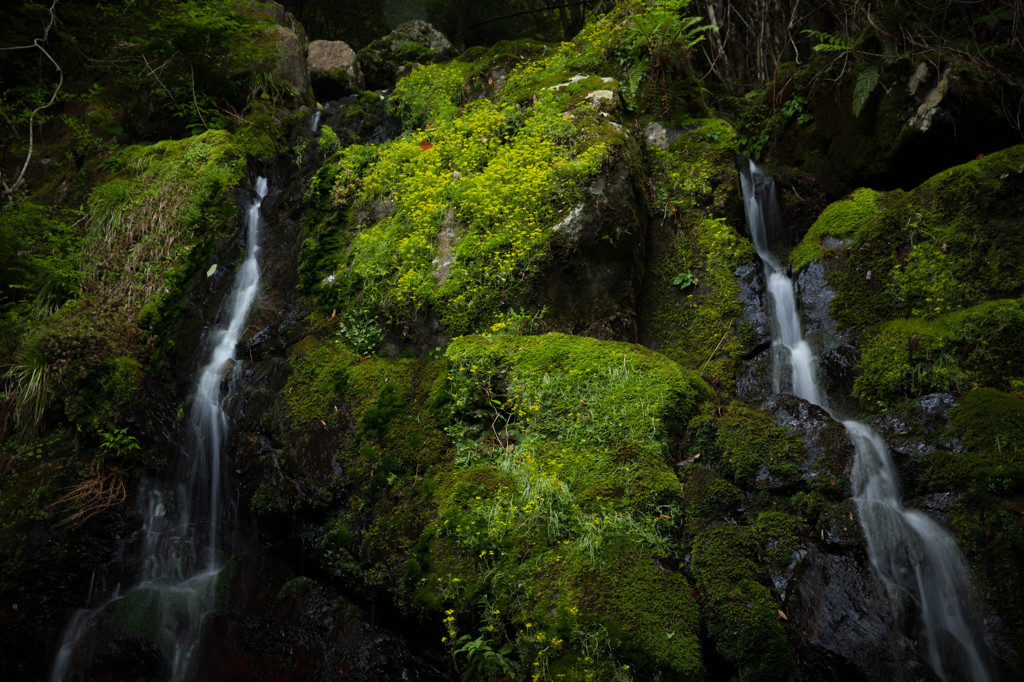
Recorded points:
(194, 100)
(720, 341)
(10, 189)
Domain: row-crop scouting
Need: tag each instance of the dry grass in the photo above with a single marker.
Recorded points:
(102, 490)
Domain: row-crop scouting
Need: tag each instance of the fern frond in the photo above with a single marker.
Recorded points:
(867, 81)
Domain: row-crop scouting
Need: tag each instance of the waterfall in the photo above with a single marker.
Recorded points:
(314, 121)
(189, 521)
(908, 550)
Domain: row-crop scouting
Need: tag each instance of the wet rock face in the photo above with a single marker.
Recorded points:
(755, 381)
(269, 625)
(413, 41)
(835, 348)
(272, 625)
(845, 626)
(333, 69)
(913, 432)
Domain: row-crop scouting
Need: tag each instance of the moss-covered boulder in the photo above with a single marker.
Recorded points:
(932, 273)
(553, 522)
(333, 69)
(412, 41)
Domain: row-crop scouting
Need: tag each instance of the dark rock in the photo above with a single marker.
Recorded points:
(840, 527)
(845, 626)
(597, 265)
(914, 431)
(829, 450)
(413, 41)
(835, 348)
(755, 381)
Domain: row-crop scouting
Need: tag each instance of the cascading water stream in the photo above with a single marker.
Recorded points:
(189, 523)
(909, 550)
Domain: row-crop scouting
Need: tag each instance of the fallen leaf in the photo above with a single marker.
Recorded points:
(782, 615)
(323, 422)
(425, 145)
(333, 313)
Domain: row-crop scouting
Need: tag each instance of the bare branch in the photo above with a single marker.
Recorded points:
(11, 188)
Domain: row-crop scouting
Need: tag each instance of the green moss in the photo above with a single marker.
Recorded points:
(908, 358)
(746, 446)
(778, 535)
(691, 298)
(649, 612)
(839, 221)
(990, 424)
(562, 484)
(296, 588)
(707, 498)
(318, 371)
(950, 243)
(739, 613)
(477, 186)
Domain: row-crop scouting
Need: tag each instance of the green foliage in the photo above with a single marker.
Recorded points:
(684, 280)
(867, 81)
(430, 93)
(118, 443)
(762, 119)
(46, 272)
(361, 331)
(829, 42)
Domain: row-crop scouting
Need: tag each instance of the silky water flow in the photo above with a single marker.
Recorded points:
(190, 522)
(908, 550)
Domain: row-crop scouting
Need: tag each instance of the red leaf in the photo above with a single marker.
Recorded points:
(425, 145)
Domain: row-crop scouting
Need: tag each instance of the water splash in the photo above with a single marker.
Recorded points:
(908, 550)
(189, 523)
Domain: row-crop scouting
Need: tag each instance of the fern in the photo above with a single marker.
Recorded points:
(867, 81)
(829, 42)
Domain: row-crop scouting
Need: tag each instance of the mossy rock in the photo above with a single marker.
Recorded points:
(740, 615)
(708, 498)
(977, 346)
(747, 447)
(837, 224)
(990, 424)
(949, 244)
(411, 41)
(649, 611)
(562, 480)
(690, 300)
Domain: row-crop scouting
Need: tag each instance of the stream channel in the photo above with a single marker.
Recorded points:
(190, 519)
(910, 552)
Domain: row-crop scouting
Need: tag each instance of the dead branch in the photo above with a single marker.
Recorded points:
(10, 188)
